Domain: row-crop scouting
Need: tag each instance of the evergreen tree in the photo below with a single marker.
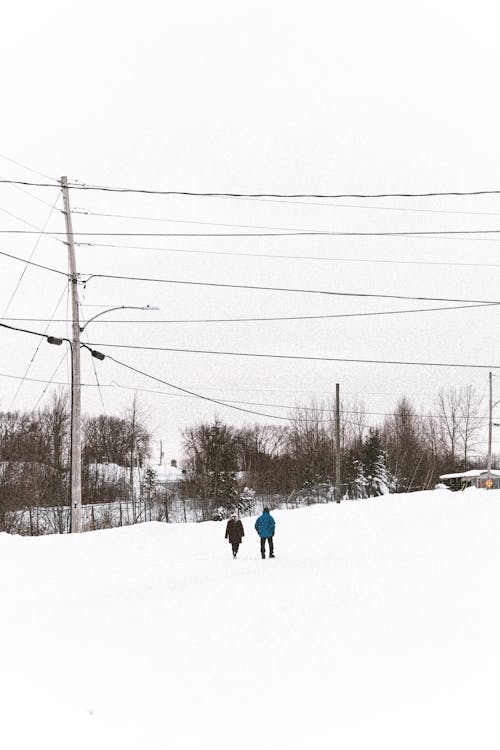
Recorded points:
(212, 459)
(354, 476)
(378, 478)
(148, 484)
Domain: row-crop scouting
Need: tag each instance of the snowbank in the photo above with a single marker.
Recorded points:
(375, 626)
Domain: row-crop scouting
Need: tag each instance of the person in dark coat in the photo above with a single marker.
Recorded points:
(234, 533)
(265, 526)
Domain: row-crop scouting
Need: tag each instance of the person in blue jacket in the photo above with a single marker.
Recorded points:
(265, 526)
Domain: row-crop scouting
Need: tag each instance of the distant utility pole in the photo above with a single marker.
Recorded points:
(490, 432)
(337, 443)
(76, 408)
(132, 448)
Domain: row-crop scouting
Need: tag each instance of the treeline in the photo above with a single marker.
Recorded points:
(228, 467)
(405, 451)
(35, 456)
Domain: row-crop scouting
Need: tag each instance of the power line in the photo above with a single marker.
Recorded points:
(97, 382)
(245, 254)
(29, 169)
(32, 195)
(295, 407)
(407, 209)
(51, 381)
(164, 382)
(28, 261)
(263, 319)
(254, 287)
(34, 229)
(283, 195)
(222, 194)
(3, 325)
(31, 263)
(197, 395)
(83, 212)
(297, 357)
(308, 233)
(90, 212)
(25, 330)
(238, 390)
(82, 305)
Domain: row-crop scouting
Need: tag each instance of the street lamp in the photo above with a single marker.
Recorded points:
(76, 427)
(120, 307)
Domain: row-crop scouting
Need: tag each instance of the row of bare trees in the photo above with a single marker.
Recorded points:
(35, 456)
(404, 451)
(401, 451)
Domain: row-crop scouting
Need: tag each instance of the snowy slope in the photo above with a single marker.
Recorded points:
(377, 625)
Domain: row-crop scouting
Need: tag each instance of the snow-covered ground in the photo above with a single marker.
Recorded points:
(377, 625)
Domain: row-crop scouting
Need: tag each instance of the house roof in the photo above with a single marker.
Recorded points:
(168, 473)
(473, 473)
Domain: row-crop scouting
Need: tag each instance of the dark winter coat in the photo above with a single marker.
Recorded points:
(265, 525)
(234, 531)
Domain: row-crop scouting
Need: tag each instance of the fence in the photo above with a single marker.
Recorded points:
(171, 508)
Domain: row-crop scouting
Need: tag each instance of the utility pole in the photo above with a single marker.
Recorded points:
(76, 409)
(337, 443)
(490, 432)
(131, 479)
(132, 447)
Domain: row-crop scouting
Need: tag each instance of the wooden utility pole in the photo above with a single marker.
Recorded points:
(131, 479)
(490, 432)
(337, 443)
(132, 448)
(76, 408)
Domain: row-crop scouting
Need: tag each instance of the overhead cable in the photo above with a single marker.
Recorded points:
(37, 348)
(299, 357)
(28, 261)
(31, 263)
(225, 194)
(274, 256)
(365, 207)
(34, 229)
(254, 287)
(28, 169)
(309, 233)
(197, 395)
(51, 381)
(407, 209)
(294, 407)
(31, 195)
(83, 212)
(276, 318)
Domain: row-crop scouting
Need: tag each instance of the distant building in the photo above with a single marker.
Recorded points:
(113, 473)
(168, 475)
(472, 478)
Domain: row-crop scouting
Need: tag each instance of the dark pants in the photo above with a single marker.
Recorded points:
(235, 546)
(263, 546)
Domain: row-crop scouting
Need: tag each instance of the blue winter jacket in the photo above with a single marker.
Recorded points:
(265, 525)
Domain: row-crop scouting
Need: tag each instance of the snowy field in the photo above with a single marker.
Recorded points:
(377, 625)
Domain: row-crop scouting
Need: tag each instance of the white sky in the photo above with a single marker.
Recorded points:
(254, 97)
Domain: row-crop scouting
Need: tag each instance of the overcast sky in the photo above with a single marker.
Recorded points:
(252, 97)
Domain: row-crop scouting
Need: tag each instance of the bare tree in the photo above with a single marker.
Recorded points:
(448, 409)
(472, 421)
(460, 420)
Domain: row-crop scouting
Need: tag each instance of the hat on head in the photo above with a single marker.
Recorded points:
(266, 510)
